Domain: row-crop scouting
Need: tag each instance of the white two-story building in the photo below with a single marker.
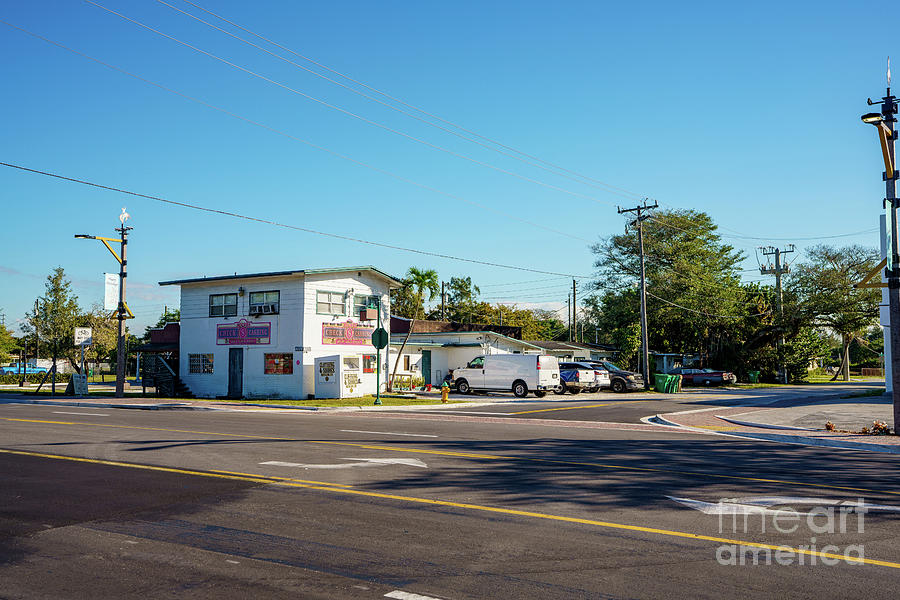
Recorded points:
(259, 335)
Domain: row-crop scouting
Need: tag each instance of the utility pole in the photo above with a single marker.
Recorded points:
(123, 312)
(574, 314)
(443, 302)
(777, 271)
(884, 122)
(569, 314)
(641, 216)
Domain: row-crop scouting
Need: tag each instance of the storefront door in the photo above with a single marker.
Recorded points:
(235, 372)
(426, 366)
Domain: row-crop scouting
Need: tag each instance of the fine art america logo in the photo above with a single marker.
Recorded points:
(788, 515)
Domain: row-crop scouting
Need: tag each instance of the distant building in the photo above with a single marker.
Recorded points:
(575, 351)
(259, 335)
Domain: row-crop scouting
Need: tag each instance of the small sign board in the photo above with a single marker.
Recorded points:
(79, 381)
(83, 336)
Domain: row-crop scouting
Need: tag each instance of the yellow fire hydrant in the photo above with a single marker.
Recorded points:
(445, 392)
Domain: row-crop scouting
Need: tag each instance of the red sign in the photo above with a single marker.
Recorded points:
(243, 333)
(346, 334)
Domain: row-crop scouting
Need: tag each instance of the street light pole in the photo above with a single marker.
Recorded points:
(122, 310)
(886, 130)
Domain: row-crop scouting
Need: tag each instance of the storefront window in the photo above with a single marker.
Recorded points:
(369, 363)
(279, 364)
(200, 363)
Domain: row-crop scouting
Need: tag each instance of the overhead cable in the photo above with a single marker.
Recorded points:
(284, 225)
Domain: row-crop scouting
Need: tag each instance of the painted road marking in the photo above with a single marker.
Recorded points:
(59, 412)
(467, 412)
(525, 412)
(284, 478)
(389, 433)
(401, 595)
(469, 455)
(365, 462)
(476, 507)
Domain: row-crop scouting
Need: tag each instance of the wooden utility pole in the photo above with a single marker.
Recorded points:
(777, 271)
(639, 223)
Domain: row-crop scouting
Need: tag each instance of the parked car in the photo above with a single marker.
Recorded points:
(691, 376)
(16, 369)
(576, 377)
(620, 380)
(518, 373)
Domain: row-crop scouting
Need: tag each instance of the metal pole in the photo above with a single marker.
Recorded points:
(645, 348)
(569, 314)
(378, 361)
(120, 341)
(574, 314)
(443, 305)
(888, 109)
(782, 372)
(24, 363)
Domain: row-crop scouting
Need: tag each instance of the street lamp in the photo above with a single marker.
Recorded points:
(884, 123)
(122, 310)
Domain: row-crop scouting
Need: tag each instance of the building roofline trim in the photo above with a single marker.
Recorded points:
(391, 279)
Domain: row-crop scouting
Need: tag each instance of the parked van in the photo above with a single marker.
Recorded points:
(518, 373)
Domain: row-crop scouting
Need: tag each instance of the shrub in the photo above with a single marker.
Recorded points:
(32, 378)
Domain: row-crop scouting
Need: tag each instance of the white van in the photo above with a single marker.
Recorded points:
(518, 373)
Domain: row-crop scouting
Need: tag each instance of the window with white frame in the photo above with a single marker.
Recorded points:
(200, 363)
(264, 303)
(223, 305)
(330, 303)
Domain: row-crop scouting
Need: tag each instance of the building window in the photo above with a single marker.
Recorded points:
(223, 305)
(368, 363)
(330, 303)
(279, 364)
(264, 303)
(406, 362)
(200, 363)
(363, 302)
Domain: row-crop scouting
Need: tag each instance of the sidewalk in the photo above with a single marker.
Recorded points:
(802, 423)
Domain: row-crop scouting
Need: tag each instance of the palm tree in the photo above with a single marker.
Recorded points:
(423, 280)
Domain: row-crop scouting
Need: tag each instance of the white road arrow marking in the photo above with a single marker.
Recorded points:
(364, 462)
(756, 505)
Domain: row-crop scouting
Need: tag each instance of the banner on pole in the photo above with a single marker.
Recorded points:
(110, 291)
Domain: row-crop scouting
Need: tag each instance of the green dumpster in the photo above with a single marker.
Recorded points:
(674, 384)
(660, 381)
(753, 376)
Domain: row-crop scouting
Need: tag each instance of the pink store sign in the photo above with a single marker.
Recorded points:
(243, 333)
(346, 334)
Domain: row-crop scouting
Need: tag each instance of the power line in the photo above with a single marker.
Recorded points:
(347, 112)
(284, 225)
(293, 137)
(706, 313)
(611, 188)
(605, 187)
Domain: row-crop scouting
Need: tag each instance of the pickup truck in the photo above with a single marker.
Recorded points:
(576, 377)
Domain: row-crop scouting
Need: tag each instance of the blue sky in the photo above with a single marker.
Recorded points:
(749, 112)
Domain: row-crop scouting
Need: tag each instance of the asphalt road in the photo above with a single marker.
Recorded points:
(104, 503)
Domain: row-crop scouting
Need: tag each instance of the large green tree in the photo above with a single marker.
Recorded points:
(56, 317)
(693, 284)
(823, 293)
(8, 344)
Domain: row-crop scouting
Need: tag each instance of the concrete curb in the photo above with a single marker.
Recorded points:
(764, 425)
(795, 440)
(163, 406)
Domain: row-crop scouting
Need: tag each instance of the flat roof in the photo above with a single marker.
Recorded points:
(390, 278)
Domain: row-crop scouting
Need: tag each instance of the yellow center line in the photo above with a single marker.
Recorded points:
(474, 455)
(525, 412)
(474, 507)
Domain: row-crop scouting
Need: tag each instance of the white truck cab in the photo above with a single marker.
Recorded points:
(518, 373)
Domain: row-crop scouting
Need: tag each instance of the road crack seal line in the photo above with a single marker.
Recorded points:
(481, 508)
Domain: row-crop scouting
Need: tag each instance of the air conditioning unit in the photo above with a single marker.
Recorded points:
(368, 314)
(270, 309)
(256, 309)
